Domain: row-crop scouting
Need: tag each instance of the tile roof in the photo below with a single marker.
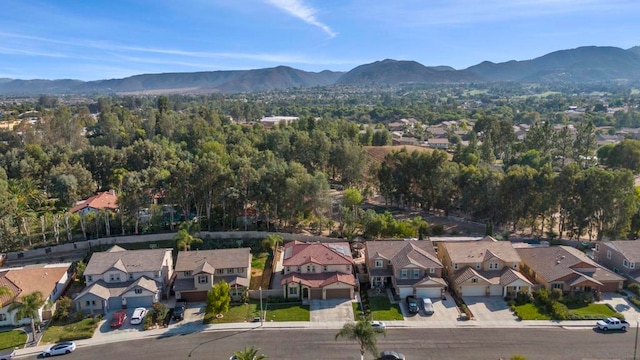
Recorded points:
(15, 291)
(105, 200)
(129, 261)
(216, 259)
(402, 253)
(555, 262)
(105, 290)
(298, 253)
(629, 248)
(31, 279)
(233, 280)
(145, 283)
(503, 277)
(479, 251)
(318, 280)
(509, 276)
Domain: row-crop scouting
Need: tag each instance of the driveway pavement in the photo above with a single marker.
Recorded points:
(622, 305)
(331, 310)
(490, 308)
(444, 310)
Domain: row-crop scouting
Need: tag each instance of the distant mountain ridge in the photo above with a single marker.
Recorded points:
(583, 64)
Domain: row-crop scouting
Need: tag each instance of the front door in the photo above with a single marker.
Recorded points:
(305, 293)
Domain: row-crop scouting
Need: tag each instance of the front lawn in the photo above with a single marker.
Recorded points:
(530, 312)
(257, 268)
(592, 311)
(382, 309)
(57, 332)
(236, 313)
(12, 339)
(287, 312)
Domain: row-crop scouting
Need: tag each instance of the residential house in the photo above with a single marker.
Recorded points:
(107, 200)
(438, 143)
(50, 280)
(198, 271)
(482, 268)
(568, 269)
(409, 267)
(622, 257)
(314, 270)
(118, 279)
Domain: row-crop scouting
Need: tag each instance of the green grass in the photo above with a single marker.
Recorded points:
(236, 313)
(82, 329)
(258, 261)
(12, 339)
(357, 313)
(287, 312)
(382, 309)
(530, 312)
(592, 311)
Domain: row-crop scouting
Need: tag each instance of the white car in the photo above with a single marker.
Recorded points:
(62, 348)
(378, 325)
(138, 316)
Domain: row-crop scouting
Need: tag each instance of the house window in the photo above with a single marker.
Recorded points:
(478, 266)
(220, 271)
(308, 268)
(515, 265)
(157, 275)
(556, 286)
(240, 270)
(138, 291)
(231, 270)
(348, 268)
(597, 248)
(416, 273)
(455, 266)
(298, 268)
(3, 317)
(379, 263)
(493, 266)
(91, 302)
(115, 277)
(625, 263)
(609, 254)
(474, 280)
(403, 274)
(432, 270)
(324, 268)
(313, 268)
(130, 276)
(632, 265)
(293, 291)
(203, 279)
(187, 273)
(89, 278)
(288, 268)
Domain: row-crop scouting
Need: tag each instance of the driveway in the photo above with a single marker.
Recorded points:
(622, 305)
(331, 310)
(444, 310)
(489, 308)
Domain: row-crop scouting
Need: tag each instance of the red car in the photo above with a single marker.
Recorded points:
(118, 319)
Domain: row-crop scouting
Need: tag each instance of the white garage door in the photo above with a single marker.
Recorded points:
(428, 292)
(404, 292)
(496, 290)
(473, 291)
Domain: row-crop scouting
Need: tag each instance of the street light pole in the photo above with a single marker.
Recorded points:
(262, 316)
(635, 347)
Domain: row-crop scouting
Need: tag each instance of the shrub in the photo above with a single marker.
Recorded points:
(560, 311)
(437, 230)
(635, 301)
(556, 295)
(63, 306)
(158, 313)
(618, 315)
(522, 298)
(147, 322)
(634, 288)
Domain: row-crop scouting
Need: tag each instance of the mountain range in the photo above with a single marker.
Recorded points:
(583, 64)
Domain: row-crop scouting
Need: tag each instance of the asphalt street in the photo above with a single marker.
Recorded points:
(283, 344)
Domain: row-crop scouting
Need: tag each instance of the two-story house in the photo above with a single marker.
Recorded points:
(197, 271)
(119, 278)
(50, 280)
(622, 257)
(482, 268)
(314, 270)
(568, 269)
(409, 267)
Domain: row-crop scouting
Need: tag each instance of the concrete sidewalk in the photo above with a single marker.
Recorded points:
(196, 327)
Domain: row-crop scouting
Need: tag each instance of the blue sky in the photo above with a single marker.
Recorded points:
(91, 40)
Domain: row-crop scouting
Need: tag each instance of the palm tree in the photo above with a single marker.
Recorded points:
(184, 240)
(364, 334)
(249, 353)
(28, 307)
(271, 242)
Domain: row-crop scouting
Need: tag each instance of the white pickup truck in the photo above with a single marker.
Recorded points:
(612, 324)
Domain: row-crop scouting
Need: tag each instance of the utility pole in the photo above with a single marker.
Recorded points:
(635, 347)
(262, 315)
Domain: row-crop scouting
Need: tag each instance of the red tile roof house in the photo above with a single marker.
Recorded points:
(107, 200)
(314, 270)
(197, 272)
(409, 267)
(483, 268)
(50, 280)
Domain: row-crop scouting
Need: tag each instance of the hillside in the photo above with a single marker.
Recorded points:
(393, 72)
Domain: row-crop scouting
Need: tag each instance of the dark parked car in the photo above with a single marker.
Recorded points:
(391, 355)
(412, 303)
(178, 311)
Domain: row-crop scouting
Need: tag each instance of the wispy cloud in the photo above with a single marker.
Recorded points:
(303, 12)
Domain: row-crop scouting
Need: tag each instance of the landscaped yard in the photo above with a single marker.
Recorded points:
(382, 309)
(287, 312)
(257, 267)
(530, 312)
(590, 311)
(12, 339)
(236, 313)
(82, 329)
(357, 312)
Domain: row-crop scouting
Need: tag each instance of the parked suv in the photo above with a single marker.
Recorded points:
(178, 311)
(412, 303)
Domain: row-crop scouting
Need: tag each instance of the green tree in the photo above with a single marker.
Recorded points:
(63, 308)
(28, 306)
(80, 268)
(184, 240)
(218, 298)
(364, 334)
(271, 242)
(5, 291)
(249, 353)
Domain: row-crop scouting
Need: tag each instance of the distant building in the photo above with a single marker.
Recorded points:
(271, 121)
(106, 200)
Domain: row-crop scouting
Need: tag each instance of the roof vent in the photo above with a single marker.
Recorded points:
(558, 262)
